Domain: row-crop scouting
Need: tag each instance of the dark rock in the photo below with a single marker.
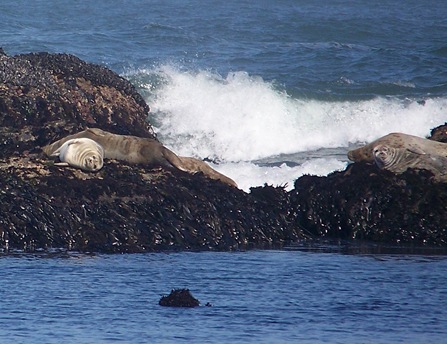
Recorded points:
(131, 209)
(179, 298)
(122, 208)
(439, 133)
(366, 203)
(44, 97)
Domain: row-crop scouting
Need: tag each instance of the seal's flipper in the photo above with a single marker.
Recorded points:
(57, 152)
(173, 159)
(62, 164)
(194, 165)
(415, 149)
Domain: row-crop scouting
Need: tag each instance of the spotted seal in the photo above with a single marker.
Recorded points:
(398, 160)
(139, 150)
(414, 144)
(82, 153)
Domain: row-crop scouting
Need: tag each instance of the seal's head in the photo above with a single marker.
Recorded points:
(93, 162)
(82, 153)
(361, 154)
(366, 153)
(384, 156)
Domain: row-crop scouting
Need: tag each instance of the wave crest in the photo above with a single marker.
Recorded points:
(241, 117)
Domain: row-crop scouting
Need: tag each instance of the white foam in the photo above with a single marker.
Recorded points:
(241, 118)
(247, 174)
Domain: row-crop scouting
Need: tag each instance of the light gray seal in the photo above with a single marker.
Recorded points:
(412, 143)
(399, 159)
(82, 153)
(139, 150)
(132, 149)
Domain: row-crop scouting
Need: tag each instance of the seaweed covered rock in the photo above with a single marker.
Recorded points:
(179, 298)
(121, 208)
(366, 203)
(439, 133)
(126, 208)
(46, 96)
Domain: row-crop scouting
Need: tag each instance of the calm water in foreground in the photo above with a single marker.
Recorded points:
(287, 296)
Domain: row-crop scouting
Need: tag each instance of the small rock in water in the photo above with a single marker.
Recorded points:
(179, 298)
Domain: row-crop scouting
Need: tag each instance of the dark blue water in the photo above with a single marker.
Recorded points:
(256, 297)
(315, 78)
(382, 47)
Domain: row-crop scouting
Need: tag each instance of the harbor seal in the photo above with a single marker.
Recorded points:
(139, 150)
(132, 149)
(194, 165)
(415, 144)
(398, 160)
(82, 153)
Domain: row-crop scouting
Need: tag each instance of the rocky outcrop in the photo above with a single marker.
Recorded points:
(439, 133)
(45, 96)
(131, 209)
(366, 203)
(121, 208)
(179, 298)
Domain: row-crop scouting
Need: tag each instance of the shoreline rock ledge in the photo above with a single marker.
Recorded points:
(366, 203)
(121, 208)
(124, 208)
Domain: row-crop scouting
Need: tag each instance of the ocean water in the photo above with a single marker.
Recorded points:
(267, 91)
(256, 297)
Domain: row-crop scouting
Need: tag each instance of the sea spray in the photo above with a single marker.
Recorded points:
(241, 121)
(248, 174)
(243, 118)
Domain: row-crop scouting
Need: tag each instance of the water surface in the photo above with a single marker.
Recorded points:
(256, 296)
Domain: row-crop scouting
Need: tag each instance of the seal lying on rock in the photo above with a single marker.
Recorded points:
(139, 150)
(398, 160)
(82, 153)
(412, 143)
(193, 165)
